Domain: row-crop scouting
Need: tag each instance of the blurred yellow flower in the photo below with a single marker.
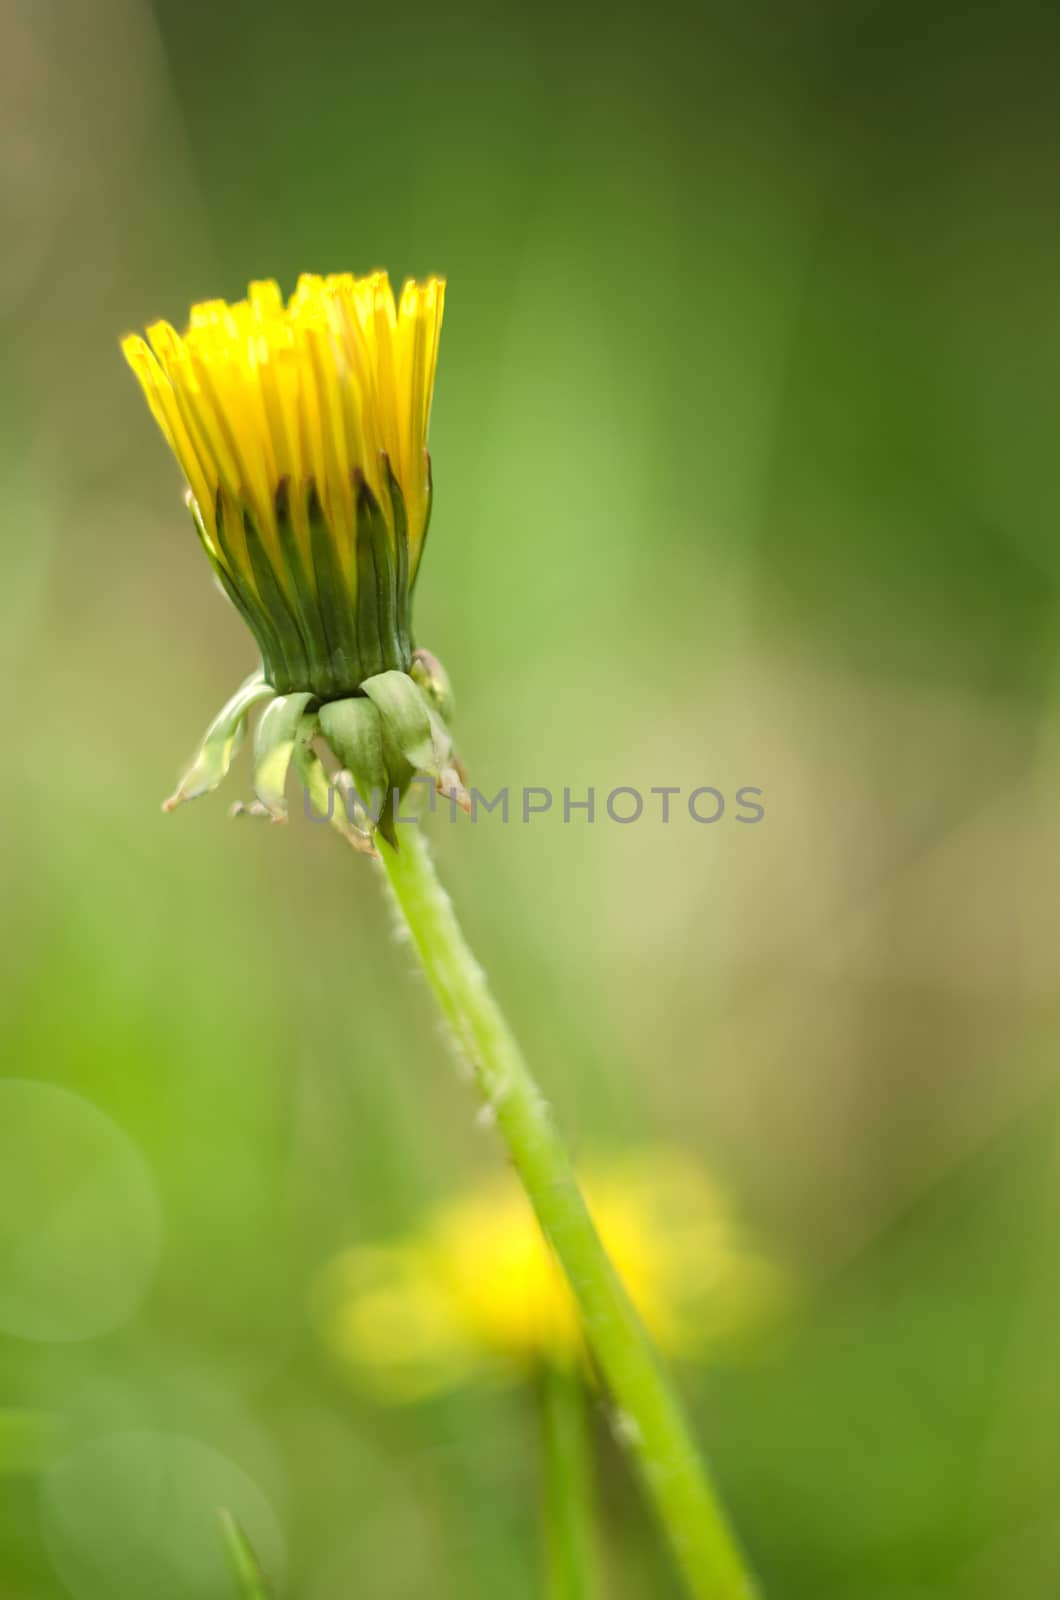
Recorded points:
(302, 432)
(477, 1291)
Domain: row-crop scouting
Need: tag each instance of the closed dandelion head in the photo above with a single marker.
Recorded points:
(476, 1293)
(301, 430)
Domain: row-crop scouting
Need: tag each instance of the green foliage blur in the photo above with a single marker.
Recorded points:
(744, 444)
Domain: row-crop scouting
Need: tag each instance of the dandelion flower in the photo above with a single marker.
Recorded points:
(301, 431)
(476, 1291)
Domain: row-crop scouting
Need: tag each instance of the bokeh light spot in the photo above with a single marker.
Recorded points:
(80, 1220)
(136, 1514)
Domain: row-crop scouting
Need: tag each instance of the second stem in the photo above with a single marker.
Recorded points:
(566, 1451)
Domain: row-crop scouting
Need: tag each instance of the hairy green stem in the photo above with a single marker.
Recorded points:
(567, 1483)
(648, 1418)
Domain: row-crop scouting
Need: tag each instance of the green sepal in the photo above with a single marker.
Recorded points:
(415, 739)
(300, 590)
(283, 722)
(237, 581)
(234, 587)
(335, 603)
(318, 789)
(242, 1560)
(411, 729)
(401, 573)
(427, 671)
(426, 524)
(382, 592)
(354, 730)
(296, 649)
(325, 616)
(221, 741)
(250, 808)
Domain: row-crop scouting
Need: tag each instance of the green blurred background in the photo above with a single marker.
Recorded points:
(745, 444)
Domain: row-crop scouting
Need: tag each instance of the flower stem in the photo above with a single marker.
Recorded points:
(648, 1418)
(567, 1464)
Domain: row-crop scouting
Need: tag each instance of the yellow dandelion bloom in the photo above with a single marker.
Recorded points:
(301, 429)
(477, 1291)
